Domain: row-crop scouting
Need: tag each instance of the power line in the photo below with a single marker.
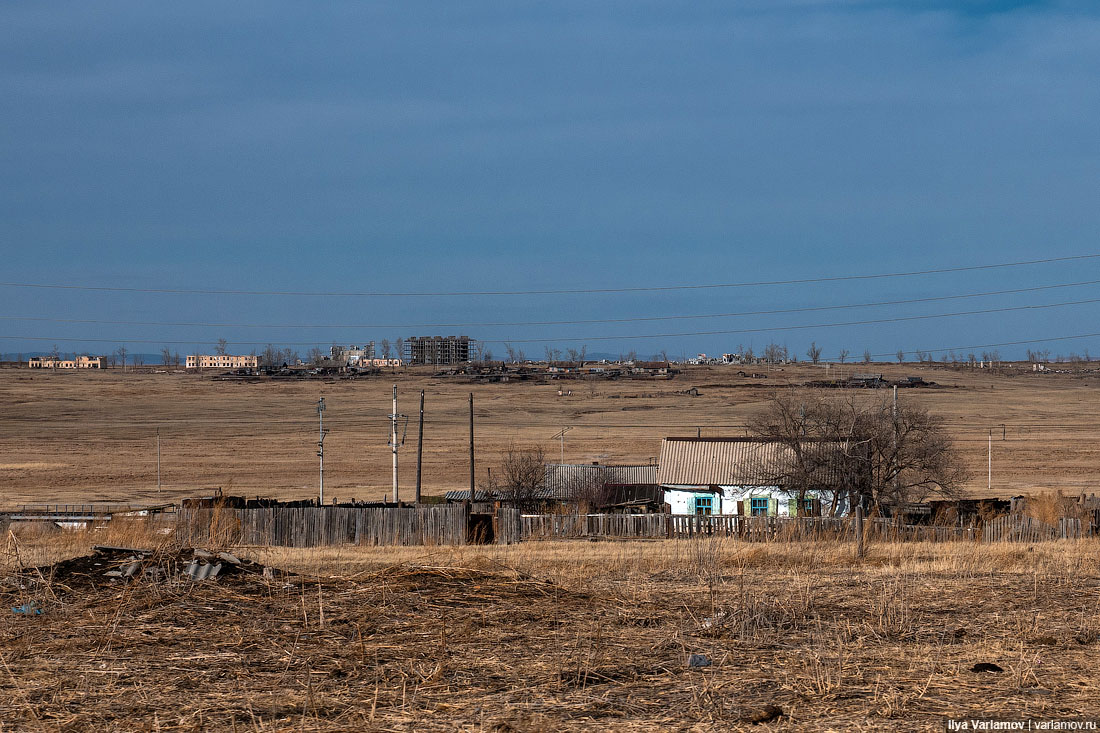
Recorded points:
(639, 319)
(558, 291)
(628, 337)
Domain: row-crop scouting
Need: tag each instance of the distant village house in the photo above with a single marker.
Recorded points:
(80, 362)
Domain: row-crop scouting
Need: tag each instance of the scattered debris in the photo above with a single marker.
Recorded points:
(764, 714)
(696, 661)
(126, 564)
(27, 609)
(986, 667)
(714, 620)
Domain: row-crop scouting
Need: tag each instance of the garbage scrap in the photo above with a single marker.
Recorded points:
(108, 565)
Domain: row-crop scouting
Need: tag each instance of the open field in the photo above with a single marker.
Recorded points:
(562, 636)
(79, 437)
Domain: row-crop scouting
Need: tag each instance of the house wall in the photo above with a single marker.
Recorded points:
(726, 500)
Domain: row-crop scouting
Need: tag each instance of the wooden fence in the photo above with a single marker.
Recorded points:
(319, 526)
(772, 529)
(449, 524)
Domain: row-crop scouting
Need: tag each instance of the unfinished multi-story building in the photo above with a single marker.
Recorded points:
(437, 350)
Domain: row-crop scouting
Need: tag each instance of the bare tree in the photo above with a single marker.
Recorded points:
(316, 356)
(549, 356)
(879, 456)
(221, 346)
(842, 356)
(55, 354)
(385, 348)
(166, 356)
(399, 348)
(121, 351)
(901, 356)
(776, 354)
(271, 356)
(814, 352)
(508, 349)
(290, 356)
(522, 476)
(867, 356)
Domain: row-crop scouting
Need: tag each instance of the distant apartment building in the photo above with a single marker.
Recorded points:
(80, 362)
(437, 350)
(222, 361)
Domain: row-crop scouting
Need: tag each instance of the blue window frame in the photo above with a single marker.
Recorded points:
(704, 505)
(758, 506)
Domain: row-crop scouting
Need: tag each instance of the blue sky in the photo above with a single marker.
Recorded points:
(519, 146)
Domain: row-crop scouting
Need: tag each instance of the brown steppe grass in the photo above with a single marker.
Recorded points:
(81, 437)
(558, 636)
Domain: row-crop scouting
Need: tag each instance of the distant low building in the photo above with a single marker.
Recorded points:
(353, 355)
(80, 362)
(748, 477)
(222, 361)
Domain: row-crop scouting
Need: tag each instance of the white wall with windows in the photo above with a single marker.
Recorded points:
(769, 501)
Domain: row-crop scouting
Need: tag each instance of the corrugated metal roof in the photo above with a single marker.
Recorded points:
(567, 480)
(736, 462)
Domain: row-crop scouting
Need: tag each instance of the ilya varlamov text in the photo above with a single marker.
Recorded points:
(1026, 724)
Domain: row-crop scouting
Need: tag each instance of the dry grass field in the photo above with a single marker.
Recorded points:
(78, 437)
(558, 636)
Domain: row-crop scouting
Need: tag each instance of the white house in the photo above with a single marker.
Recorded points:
(742, 476)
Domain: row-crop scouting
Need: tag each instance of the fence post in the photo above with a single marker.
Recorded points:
(859, 531)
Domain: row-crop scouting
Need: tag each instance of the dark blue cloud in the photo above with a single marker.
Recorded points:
(483, 146)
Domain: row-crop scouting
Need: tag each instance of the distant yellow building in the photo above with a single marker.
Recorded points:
(222, 361)
(80, 362)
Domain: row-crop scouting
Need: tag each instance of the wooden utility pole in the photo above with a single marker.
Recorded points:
(420, 448)
(470, 499)
(859, 531)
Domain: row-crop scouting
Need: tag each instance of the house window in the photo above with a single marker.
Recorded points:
(809, 507)
(704, 505)
(758, 507)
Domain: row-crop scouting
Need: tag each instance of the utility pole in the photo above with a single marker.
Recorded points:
(894, 413)
(158, 461)
(420, 448)
(561, 436)
(321, 433)
(393, 441)
(470, 498)
(989, 479)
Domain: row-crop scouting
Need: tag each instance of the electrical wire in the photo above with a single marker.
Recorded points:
(556, 291)
(627, 337)
(489, 324)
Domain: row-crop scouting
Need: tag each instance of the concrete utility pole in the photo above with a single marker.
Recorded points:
(321, 433)
(420, 448)
(158, 461)
(393, 441)
(561, 436)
